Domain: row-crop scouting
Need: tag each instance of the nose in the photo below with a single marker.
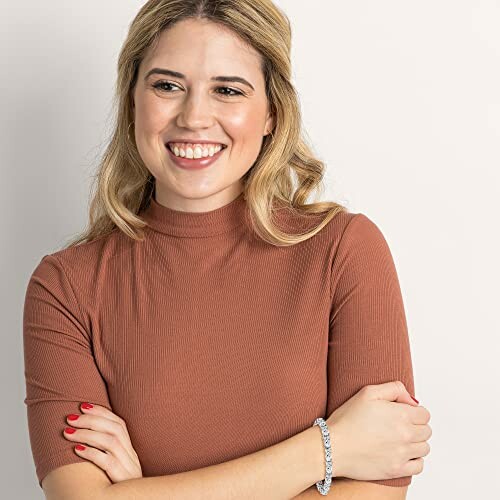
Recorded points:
(196, 112)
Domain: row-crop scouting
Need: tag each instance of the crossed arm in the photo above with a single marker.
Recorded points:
(287, 470)
(348, 489)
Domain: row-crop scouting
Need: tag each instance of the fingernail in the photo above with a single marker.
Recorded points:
(73, 416)
(69, 430)
(416, 400)
(80, 447)
(87, 406)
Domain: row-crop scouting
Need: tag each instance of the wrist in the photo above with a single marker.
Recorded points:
(317, 453)
(313, 455)
(338, 457)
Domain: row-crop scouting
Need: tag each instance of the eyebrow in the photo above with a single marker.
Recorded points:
(175, 74)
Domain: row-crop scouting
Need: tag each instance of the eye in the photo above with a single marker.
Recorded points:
(159, 86)
(236, 92)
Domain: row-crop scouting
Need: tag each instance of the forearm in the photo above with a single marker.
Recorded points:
(313, 493)
(337, 491)
(281, 471)
(348, 489)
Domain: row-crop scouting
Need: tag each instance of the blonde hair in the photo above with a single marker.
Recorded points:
(285, 171)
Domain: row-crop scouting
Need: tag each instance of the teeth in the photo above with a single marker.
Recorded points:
(194, 150)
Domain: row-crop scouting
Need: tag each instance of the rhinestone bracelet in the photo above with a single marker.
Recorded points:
(324, 485)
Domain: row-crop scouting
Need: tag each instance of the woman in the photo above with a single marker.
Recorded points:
(209, 314)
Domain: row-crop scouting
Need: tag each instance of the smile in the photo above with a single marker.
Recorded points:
(194, 159)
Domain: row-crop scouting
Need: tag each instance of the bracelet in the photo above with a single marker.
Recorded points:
(323, 486)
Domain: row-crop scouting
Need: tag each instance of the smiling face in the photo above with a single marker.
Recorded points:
(193, 106)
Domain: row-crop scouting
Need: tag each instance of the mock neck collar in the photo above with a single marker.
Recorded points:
(195, 224)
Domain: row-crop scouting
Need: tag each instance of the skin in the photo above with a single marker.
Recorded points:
(201, 108)
(108, 445)
(100, 429)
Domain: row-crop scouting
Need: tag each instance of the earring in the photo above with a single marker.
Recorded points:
(128, 129)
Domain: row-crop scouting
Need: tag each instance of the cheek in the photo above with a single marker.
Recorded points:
(151, 121)
(245, 126)
(151, 117)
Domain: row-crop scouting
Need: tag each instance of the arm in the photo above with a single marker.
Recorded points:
(61, 372)
(275, 472)
(280, 472)
(350, 489)
(368, 342)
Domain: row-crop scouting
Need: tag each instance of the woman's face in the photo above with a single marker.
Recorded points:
(194, 106)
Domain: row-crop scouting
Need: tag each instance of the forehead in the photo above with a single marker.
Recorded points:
(201, 48)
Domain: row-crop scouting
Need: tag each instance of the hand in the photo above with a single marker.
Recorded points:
(109, 447)
(380, 433)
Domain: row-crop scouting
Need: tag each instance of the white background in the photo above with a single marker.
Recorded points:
(399, 98)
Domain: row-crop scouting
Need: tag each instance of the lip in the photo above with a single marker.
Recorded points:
(195, 163)
(195, 141)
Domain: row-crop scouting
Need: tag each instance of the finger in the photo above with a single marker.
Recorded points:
(102, 441)
(101, 411)
(412, 467)
(418, 450)
(101, 424)
(421, 433)
(418, 414)
(392, 391)
(113, 468)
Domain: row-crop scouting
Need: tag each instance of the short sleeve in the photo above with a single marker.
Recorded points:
(59, 366)
(368, 337)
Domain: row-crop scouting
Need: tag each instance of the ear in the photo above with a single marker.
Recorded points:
(270, 122)
(132, 103)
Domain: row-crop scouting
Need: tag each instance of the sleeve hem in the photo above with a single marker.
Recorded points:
(56, 461)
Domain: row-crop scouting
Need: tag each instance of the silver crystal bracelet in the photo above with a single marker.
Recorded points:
(324, 485)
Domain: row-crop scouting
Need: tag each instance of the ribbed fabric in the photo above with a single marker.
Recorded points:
(210, 343)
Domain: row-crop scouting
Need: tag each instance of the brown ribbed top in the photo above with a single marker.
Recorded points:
(210, 343)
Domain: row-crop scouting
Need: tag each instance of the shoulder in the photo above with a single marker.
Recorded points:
(360, 256)
(356, 249)
(79, 268)
(349, 228)
(89, 257)
(346, 233)
(350, 233)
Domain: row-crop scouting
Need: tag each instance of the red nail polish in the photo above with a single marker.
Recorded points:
(69, 430)
(80, 447)
(416, 400)
(87, 406)
(73, 417)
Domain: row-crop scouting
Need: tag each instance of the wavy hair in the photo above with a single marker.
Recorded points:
(285, 171)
